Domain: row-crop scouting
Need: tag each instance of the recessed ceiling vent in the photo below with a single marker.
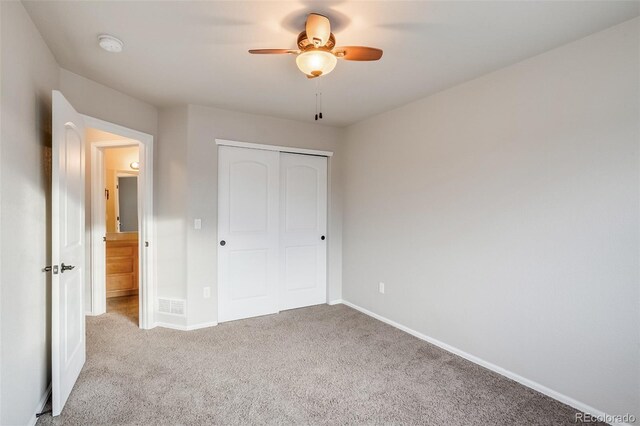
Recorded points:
(172, 306)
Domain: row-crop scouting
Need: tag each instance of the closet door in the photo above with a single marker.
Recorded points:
(303, 230)
(248, 203)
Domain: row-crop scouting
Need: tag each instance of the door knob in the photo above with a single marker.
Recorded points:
(223, 242)
(64, 267)
(322, 238)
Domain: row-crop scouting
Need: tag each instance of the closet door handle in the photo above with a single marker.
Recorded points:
(322, 238)
(223, 242)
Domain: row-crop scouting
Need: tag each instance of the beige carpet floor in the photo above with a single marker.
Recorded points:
(318, 365)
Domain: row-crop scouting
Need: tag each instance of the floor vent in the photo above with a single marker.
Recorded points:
(171, 306)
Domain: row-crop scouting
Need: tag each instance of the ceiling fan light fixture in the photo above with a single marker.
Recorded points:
(315, 62)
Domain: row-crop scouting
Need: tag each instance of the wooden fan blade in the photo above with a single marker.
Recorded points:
(358, 53)
(272, 51)
(318, 29)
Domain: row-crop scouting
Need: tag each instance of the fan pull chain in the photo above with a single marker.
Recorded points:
(318, 101)
(317, 85)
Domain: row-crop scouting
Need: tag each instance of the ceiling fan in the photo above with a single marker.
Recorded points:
(317, 54)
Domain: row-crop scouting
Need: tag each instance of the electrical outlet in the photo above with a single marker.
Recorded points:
(381, 287)
(197, 224)
(206, 293)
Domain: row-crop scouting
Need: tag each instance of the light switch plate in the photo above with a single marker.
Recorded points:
(381, 287)
(197, 224)
(206, 293)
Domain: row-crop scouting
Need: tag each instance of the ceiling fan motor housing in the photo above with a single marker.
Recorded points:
(304, 43)
(317, 53)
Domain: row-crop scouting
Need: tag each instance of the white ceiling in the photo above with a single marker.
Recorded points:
(196, 52)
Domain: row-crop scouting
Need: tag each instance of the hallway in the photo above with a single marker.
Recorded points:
(124, 306)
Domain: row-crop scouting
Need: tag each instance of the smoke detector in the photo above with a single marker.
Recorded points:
(110, 43)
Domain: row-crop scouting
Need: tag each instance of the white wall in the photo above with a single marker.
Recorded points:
(503, 214)
(99, 101)
(170, 207)
(189, 161)
(29, 74)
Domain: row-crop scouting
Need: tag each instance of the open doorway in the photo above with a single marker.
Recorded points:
(119, 222)
(121, 167)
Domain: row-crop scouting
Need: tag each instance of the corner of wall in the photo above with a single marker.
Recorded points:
(29, 74)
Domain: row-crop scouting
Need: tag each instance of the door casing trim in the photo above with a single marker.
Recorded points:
(146, 233)
(278, 148)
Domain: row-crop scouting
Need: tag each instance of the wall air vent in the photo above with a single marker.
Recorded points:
(172, 306)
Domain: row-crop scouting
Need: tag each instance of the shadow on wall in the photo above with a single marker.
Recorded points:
(44, 118)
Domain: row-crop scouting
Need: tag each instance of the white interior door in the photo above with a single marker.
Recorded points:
(248, 182)
(67, 225)
(303, 227)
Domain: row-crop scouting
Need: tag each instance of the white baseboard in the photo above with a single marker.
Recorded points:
(171, 326)
(40, 407)
(186, 327)
(486, 364)
(335, 302)
(202, 325)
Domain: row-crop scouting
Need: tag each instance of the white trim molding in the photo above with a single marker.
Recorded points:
(146, 232)
(486, 364)
(186, 327)
(335, 302)
(274, 148)
(41, 404)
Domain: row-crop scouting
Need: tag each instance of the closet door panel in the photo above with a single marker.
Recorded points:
(248, 222)
(301, 198)
(303, 212)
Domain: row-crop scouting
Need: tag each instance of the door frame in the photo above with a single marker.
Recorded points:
(278, 148)
(146, 225)
(284, 149)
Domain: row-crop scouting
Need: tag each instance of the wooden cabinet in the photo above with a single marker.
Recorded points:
(122, 264)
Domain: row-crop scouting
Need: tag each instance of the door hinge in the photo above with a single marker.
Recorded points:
(104, 239)
(146, 243)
